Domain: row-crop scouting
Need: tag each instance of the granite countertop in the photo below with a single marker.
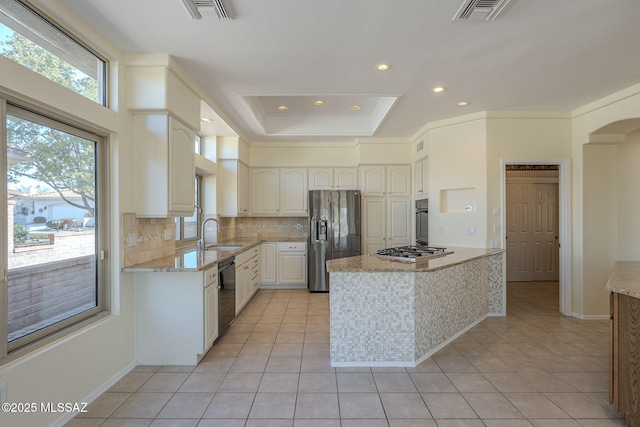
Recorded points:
(625, 278)
(373, 263)
(191, 259)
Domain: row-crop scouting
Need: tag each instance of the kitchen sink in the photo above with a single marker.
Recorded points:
(224, 247)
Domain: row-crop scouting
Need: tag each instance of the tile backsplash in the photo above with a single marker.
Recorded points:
(150, 234)
(149, 237)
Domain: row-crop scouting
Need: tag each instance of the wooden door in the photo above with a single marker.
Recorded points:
(532, 231)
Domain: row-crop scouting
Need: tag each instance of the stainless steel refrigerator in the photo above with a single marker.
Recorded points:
(334, 232)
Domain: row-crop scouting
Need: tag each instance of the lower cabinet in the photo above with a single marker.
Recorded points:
(284, 265)
(176, 316)
(247, 276)
(624, 358)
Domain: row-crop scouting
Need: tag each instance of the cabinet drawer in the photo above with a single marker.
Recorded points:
(292, 246)
(210, 276)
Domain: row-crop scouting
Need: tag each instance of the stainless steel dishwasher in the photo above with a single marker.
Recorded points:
(227, 294)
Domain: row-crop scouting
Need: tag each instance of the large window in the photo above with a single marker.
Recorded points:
(33, 41)
(55, 226)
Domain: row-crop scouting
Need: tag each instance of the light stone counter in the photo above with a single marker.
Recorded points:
(392, 313)
(625, 278)
(189, 260)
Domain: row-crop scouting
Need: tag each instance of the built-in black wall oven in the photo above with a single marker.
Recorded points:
(422, 222)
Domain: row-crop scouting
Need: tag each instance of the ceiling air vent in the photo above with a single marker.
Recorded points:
(480, 10)
(199, 9)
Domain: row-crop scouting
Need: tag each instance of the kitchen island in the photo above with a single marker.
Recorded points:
(393, 313)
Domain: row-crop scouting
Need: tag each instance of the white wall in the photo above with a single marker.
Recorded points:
(303, 154)
(81, 365)
(457, 160)
(629, 203)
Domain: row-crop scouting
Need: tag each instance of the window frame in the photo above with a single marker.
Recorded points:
(42, 115)
(181, 241)
(102, 77)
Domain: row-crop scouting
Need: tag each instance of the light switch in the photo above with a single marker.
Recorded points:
(132, 240)
(440, 229)
(167, 234)
(471, 230)
(496, 211)
(496, 228)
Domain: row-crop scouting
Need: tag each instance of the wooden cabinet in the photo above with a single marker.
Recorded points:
(164, 167)
(379, 180)
(247, 276)
(333, 179)
(232, 188)
(177, 316)
(624, 387)
(284, 265)
(386, 222)
(279, 192)
(421, 178)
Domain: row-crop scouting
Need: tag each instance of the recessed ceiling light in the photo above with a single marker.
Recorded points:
(283, 107)
(318, 102)
(383, 67)
(356, 107)
(438, 89)
(463, 103)
(206, 119)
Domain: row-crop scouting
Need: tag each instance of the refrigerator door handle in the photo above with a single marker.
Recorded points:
(314, 229)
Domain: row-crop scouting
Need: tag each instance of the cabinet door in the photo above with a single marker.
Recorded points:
(399, 180)
(181, 169)
(345, 178)
(373, 224)
(372, 179)
(320, 179)
(425, 176)
(292, 268)
(293, 191)
(265, 185)
(243, 189)
(418, 188)
(210, 314)
(398, 229)
(269, 263)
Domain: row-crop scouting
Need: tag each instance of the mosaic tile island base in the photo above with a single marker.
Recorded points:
(392, 313)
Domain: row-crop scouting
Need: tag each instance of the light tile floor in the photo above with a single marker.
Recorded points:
(533, 367)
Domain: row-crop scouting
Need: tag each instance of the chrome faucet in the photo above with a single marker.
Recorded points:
(201, 242)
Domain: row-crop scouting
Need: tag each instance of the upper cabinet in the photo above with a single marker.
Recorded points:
(232, 194)
(279, 192)
(333, 179)
(421, 178)
(164, 169)
(166, 113)
(378, 180)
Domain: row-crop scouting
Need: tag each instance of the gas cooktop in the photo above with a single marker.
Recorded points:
(412, 253)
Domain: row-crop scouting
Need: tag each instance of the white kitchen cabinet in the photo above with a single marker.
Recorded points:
(210, 306)
(293, 191)
(421, 178)
(284, 265)
(292, 263)
(380, 180)
(164, 171)
(279, 192)
(269, 266)
(333, 179)
(265, 191)
(386, 222)
(177, 316)
(247, 276)
(232, 188)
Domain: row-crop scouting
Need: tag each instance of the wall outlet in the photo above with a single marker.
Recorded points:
(132, 240)
(471, 230)
(496, 211)
(440, 229)
(168, 234)
(3, 393)
(495, 244)
(496, 228)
